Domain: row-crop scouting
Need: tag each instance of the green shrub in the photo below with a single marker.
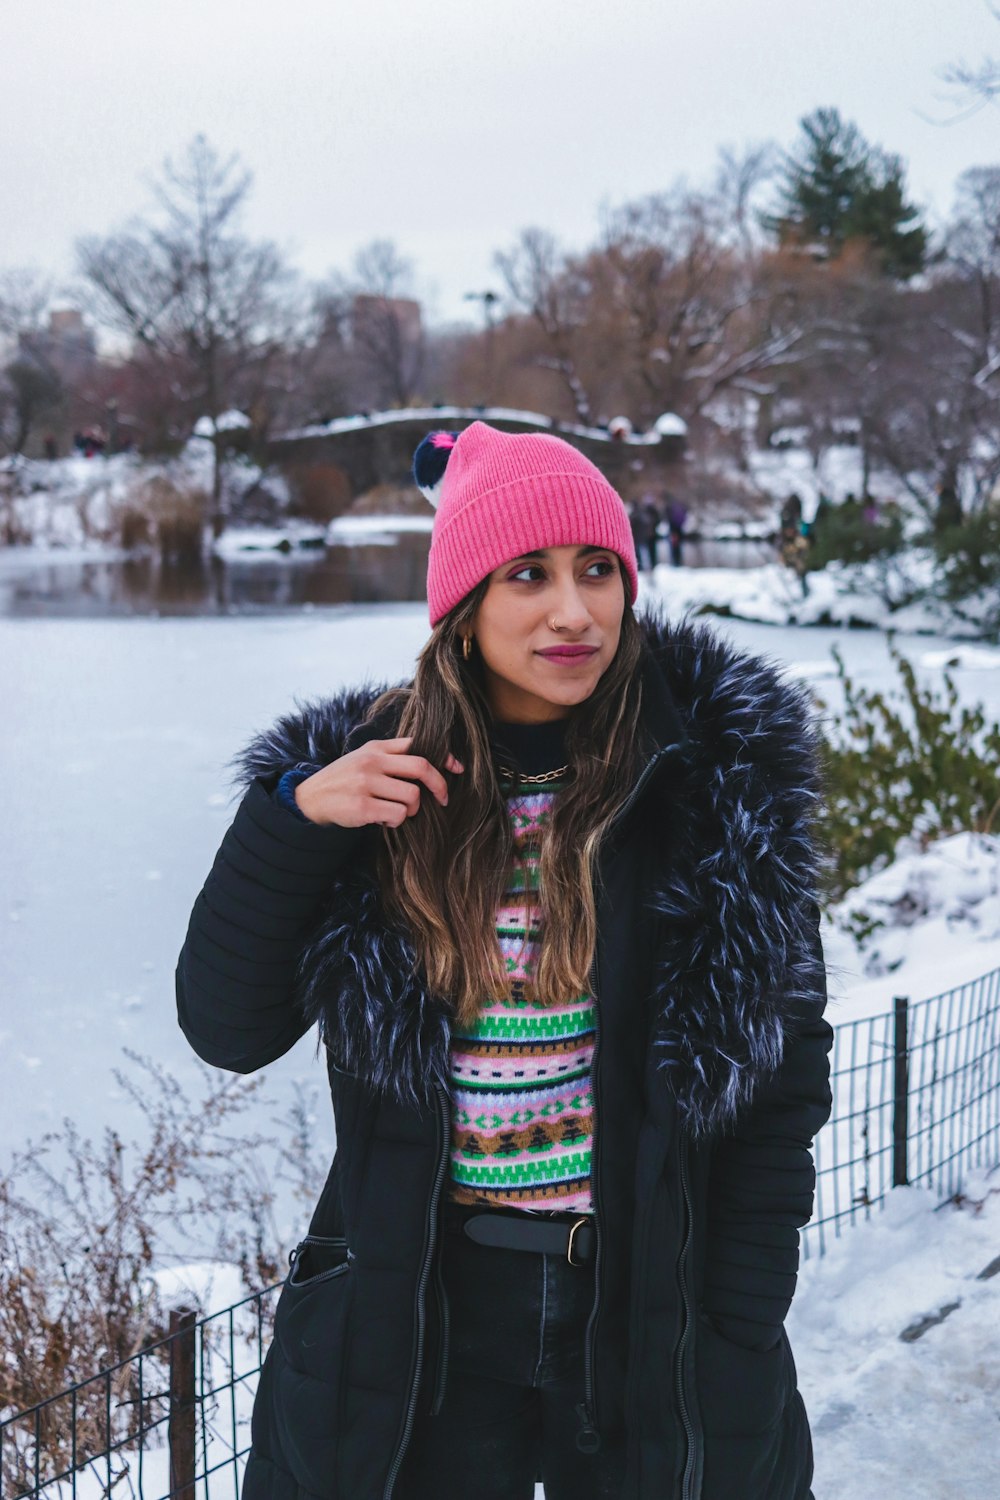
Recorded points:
(923, 767)
(968, 558)
(843, 535)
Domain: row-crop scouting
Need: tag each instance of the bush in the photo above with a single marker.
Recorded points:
(158, 512)
(968, 558)
(84, 1225)
(925, 768)
(844, 535)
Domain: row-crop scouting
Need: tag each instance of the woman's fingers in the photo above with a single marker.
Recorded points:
(416, 768)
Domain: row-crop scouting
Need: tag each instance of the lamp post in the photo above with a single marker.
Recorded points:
(489, 299)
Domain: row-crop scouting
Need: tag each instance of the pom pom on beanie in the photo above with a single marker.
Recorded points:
(430, 462)
(498, 495)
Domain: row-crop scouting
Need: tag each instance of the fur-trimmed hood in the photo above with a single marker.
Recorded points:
(733, 897)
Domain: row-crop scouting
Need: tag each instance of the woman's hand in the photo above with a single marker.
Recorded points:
(377, 783)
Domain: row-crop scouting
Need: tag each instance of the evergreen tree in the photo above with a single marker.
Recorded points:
(838, 188)
(882, 215)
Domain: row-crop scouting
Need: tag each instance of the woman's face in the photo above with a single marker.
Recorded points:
(577, 590)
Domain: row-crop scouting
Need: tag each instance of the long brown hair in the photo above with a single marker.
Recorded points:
(444, 872)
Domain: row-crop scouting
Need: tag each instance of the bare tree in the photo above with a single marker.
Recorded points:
(384, 323)
(541, 282)
(24, 296)
(195, 292)
(32, 392)
(30, 386)
(976, 84)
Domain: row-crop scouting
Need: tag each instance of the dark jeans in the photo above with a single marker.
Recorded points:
(515, 1374)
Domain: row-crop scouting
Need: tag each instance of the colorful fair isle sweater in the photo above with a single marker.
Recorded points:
(522, 1112)
(520, 1076)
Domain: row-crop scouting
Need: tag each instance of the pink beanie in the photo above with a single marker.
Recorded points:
(498, 494)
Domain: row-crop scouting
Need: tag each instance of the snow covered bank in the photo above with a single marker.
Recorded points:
(895, 1332)
(939, 905)
(859, 595)
(77, 503)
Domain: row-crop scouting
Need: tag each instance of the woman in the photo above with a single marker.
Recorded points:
(556, 919)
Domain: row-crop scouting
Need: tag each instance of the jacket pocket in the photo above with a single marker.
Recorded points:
(318, 1257)
(312, 1329)
(741, 1391)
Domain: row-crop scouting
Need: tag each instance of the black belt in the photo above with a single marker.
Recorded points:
(572, 1235)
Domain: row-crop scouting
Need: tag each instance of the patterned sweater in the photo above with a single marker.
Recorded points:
(520, 1076)
(522, 1110)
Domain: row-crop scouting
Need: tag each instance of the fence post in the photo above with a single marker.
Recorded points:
(183, 1399)
(900, 1091)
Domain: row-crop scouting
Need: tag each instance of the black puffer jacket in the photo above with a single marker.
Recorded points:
(710, 1076)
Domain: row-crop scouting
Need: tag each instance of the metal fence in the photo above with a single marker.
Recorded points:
(174, 1420)
(916, 1099)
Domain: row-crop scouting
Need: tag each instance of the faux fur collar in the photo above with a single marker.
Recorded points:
(734, 892)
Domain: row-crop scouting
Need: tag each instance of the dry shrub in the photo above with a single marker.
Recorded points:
(83, 1226)
(321, 491)
(391, 500)
(170, 516)
(13, 531)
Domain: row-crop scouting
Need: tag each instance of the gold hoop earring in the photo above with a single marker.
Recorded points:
(467, 646)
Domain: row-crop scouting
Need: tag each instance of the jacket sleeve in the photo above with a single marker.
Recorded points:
(762, 1181)
(234, 977)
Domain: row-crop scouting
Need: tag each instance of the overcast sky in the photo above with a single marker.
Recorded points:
(448, 127)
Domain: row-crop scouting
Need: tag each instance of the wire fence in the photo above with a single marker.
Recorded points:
(174, 1420)
(916, 1099)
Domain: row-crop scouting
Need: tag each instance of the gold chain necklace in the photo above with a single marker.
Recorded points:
(506, 771)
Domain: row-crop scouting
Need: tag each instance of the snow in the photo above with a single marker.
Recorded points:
(972, 658)
(893, 1416)
(670, 425)
(939, 910)
(780, 472)
(864, 595)
(204, 1285)
(439, 416)
(239, 540)
(228, 421)
(349, 530)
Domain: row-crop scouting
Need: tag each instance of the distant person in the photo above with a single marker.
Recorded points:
(655, 515)
(559, 924)
(677, 514)
(643, 535)
(791, 514)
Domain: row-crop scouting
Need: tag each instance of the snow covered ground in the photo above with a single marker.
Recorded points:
(902, 1406)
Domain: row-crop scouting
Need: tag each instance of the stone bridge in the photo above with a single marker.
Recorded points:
(329, 466)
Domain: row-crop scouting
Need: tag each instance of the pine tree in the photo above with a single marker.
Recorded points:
(838, 188)
(882, 215)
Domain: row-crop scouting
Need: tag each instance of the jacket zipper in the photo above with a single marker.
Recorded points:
(588, 1439)
(443, 1310)
(421, 1288)
(689, 1488)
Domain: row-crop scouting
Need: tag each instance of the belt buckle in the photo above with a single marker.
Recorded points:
(569, 1244)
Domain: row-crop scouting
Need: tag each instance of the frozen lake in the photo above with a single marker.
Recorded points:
(115, 798)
